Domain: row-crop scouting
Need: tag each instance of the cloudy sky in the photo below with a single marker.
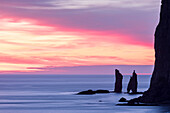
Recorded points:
(55, 36)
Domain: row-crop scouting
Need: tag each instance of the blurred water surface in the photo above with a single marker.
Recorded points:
(56, 94)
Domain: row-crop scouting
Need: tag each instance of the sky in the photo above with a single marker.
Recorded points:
(77, 36)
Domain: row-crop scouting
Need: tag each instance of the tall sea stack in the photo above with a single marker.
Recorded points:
(118, 83)
(159, 91)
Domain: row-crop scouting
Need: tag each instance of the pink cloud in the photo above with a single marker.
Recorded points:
(13, 59)
(88, 37)
(137, 26)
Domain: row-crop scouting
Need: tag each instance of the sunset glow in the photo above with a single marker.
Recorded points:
(68, 36)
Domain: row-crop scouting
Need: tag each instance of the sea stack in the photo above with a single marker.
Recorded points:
(133, 84)
(159, 91)
(118, 83)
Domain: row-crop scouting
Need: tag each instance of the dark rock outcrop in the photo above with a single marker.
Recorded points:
(159, 91)
(91, 92)
(118, 83)
(133, 84)
(134, 102)
(88, 92)
(102, 91)
(123, 100)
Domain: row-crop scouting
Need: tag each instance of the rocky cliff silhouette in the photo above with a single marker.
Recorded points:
(159, 91)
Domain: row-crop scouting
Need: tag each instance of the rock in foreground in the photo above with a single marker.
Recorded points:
(134, 102)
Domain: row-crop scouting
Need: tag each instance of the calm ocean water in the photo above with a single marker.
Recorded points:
(56, 94)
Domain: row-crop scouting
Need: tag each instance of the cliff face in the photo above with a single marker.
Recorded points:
(159, 90)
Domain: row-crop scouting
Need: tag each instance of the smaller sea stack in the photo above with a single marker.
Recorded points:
(133, 83)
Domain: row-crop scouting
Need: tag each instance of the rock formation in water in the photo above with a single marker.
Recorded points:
(88, 92)
(118, 83)
(91, 92)
(123, 100)
(159, 91)
(133, 84)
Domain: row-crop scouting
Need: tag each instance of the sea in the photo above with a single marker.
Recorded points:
(57, 94)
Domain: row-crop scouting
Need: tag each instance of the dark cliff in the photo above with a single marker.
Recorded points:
(159, 91)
